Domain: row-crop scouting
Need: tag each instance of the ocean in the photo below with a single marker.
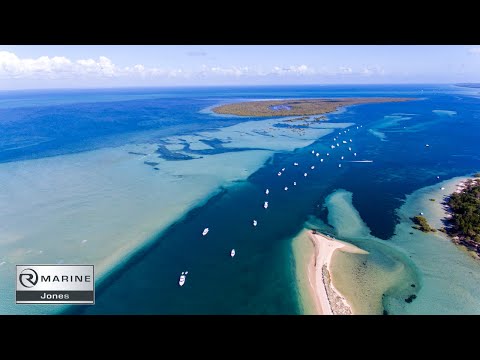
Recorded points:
(128, 179)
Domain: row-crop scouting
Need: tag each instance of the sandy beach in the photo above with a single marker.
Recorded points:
(327, 299)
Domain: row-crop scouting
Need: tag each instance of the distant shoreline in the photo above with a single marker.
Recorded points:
(469, 85)
(297, 107)
(454, 233)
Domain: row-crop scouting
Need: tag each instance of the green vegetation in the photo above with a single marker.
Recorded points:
(432, 199)
(422, 224)
(301, 107)
(465, 207)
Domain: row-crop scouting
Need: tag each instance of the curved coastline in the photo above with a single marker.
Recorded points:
(319, 294)
(411, 271)
(330, 299)
(454, 232)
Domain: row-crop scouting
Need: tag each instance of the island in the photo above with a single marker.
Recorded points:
(463, 224)
(421, 224)
(469, 85)
(297, 107)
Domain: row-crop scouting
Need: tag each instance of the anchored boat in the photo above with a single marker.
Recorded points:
(183, 277)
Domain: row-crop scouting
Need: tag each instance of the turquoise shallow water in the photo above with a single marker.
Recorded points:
(261, 278)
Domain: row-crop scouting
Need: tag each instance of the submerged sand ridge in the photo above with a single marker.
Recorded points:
(294, 107)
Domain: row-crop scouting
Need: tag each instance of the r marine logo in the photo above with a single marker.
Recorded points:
(28, 278)
(55, 284)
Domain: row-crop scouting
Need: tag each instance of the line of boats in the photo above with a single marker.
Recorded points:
(205, 231)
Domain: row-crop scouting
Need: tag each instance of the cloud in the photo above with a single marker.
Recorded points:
(238, 71)
(228, 71)
(196, 53)
(372, 70)
(60, 67)
(11, 66)
(345, 70)
(295, 69)
(474, 50)
(103, 66)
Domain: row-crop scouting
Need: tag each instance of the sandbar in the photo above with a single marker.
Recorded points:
(327, 299)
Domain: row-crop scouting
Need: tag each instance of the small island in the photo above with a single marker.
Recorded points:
(469, 85)
(464, 205)
(296, 107)
(421, 224)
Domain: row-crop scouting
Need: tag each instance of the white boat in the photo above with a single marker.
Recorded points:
(317, 154)
(357, 127)
(232, 253)
(351, 140)
(339, 133)
(442, 188)
(361, 125)
(349, 148)
(267, 191)
(332, 146)
(328, 154)
(312, 167)
(286, 188)
(321, 160)
(344, 142)
(313, 151)
(265, 204)
(421, 213)
(279, 173)
(339, 165)
(342, 157)
(345, 131)
(305, 174)
(338, 144)
(294, 183)
(205, 231)
(254, 222)
(334, 139)
(438, 177)
(283, 169)
(354, 154)
(182, 279)
(427, 145)
(295, 164)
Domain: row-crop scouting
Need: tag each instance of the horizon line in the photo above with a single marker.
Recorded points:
(224, 85)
